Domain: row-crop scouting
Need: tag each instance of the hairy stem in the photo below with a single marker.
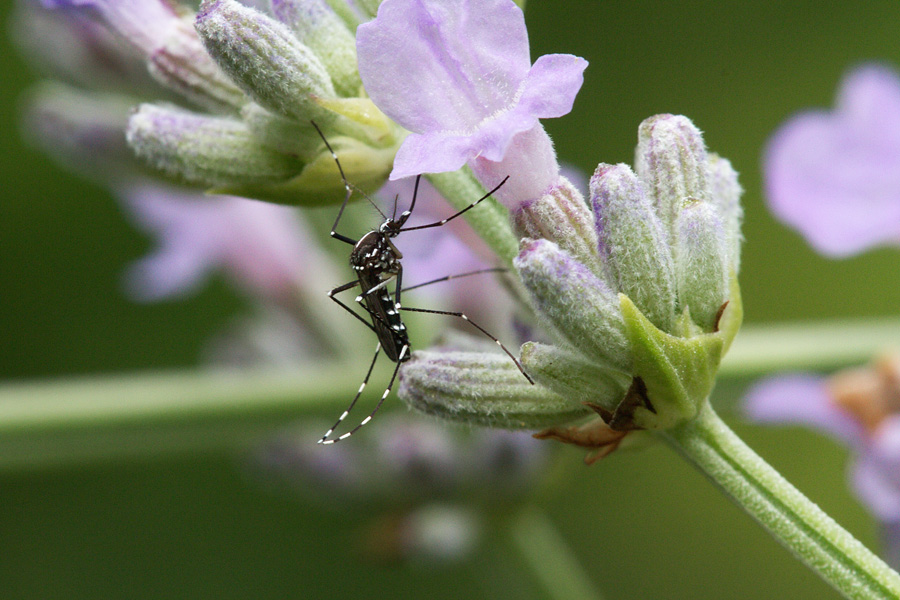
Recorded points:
(489, 219)
(795, 521)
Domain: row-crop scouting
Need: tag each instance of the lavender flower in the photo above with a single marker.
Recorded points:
(638, 296)
(226, 95)
(859, 408)
(266, 249)
(835, 176)
(458, 75)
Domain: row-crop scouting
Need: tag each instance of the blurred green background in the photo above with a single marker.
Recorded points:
(644, 524)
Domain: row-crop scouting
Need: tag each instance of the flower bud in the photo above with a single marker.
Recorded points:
(725, 194)
(701, 262)
(577, 305)
(570, 375)
(316, 25)
(264, 58)
(671, 160)
(634, 243)
(481, 388)
(208, 151)
(182, 64)
(83, 130)
(562, 217)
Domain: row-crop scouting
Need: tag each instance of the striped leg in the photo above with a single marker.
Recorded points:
(325, 438)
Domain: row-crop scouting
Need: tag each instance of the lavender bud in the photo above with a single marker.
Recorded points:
(82, 130)
(725, 194)
(634, 243)
(481, 388)
(571, 375)
(581, 308)
(316, 25)
(671, 160)
(563, 217)
(204, 150)
(182, 64)
(701, 262)
(265, 59)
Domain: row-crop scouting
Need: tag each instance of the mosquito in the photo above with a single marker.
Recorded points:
(376, 262)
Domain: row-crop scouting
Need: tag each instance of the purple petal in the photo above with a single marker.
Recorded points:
(876, 474)
(530, 163)
(443, 65)
(836, 176)
(436, 152)
(443, 151)
(801, 400)
(552, 84)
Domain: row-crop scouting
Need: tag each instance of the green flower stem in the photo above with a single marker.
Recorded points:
(71, 421)
(793, 519)
(815, 345)
(490, 219)
(549, 558)
(89, 419)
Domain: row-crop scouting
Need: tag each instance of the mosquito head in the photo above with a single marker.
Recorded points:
(391, 227)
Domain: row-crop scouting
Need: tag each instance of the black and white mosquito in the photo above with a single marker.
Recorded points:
(376, 262)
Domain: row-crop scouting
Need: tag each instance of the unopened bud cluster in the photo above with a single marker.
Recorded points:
(636, 288)
(220, 99)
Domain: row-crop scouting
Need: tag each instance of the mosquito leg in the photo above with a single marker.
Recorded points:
(479, 328)
(453, 216)
(343, 288)
(387, 391)
(326, 438)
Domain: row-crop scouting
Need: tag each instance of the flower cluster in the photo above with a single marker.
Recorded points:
(220, 99)
(635, 288)
(638, 295)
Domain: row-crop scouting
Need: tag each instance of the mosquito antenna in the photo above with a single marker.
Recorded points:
(451, 217)
(457, 276)
(347, 185)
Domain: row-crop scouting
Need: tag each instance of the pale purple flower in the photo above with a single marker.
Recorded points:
(265, 248)
(835, 176)
(855, 408)
(458, 75)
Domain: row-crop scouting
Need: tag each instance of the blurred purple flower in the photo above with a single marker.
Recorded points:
(141, 23)
(265, 248)
(460, 78)
(835, 176)
(858, 407)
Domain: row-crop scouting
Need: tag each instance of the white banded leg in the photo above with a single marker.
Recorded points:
(326, 439)
(387, 391)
